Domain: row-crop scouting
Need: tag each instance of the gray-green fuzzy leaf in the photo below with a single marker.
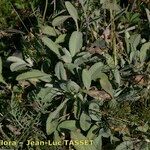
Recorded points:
(143, 51)
(51, 45)
(15, 59)
(33, 74)
(17, 66)
(73, 87)
(67, 56)
(85, 121)
(94, 112)
(97, 67)
(105, 84)
(125, 145)
(75, 42)
(60, 71)
(86, 78)
(59, 20)
(60, 39)
(72, 10)
(67, 124)
(52, 117)
(48, 30)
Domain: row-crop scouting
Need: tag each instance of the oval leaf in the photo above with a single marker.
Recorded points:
(143, 51)
(51, 45)
(59, 20)
(105, 84)
(94, 112)
(52, 118)
(73, 86)
(17, 66)
(31, 74)
(72, 10)
(85, 121)
(86, 78)
(95, 69)
(60, 39)
(15, 59)
(60, 71)
(92, 133)
(67, 56)
(48, 30)
(75, 42)
(67, 124)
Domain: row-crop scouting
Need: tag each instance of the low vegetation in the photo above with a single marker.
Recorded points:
(75, 70)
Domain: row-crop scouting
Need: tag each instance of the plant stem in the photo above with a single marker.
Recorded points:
(76, 22)
(44, 14)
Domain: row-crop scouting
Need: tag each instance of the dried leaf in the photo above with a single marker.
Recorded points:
(99, 95)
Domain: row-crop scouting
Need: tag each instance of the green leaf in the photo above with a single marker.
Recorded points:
(137, 39)
(77, 136)
(127, 41)
(75, 42)
(94, 111)
(60, 39)
(15, 59)
(18, 66)
(18, 63)
(117, 76)
(143, 128)
(105, 84)
(67, 57)
(67, 124)
(71, 67)
(92, 133)
(126, 145)
(97, 142)
(85, 121)
(72, 10)
(53, 116)
(36, 74)
(86, 78)
(47, 94)
(60, 71)
(46, 78)
(105, 133)
(73, 87)
(77, 109)
(148, 14)
(48, 30)
(57, 137)
(143, 51)
(51, 45)
(132, 56)
(82, 58)
(51, 126)
(110, 61)
(59, 20)
(95, 70)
